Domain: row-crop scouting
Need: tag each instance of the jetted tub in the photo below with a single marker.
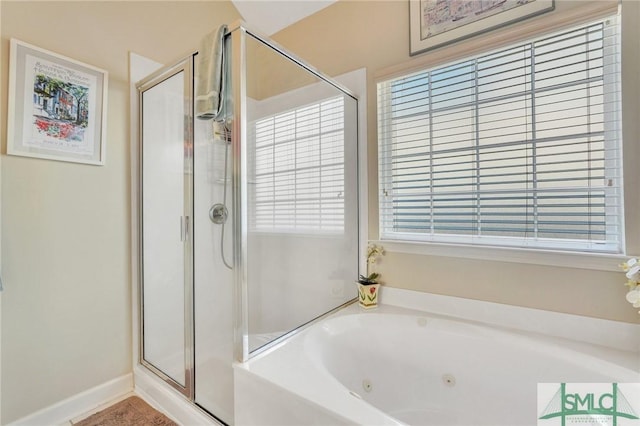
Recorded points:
(396, 365)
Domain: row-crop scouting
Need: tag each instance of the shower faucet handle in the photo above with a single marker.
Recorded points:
(218, 213)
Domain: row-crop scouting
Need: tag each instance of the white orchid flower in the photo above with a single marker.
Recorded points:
(633, 296)
(633, 273)
(629, 264)
(373, 252)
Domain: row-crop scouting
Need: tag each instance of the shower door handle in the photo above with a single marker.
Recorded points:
(184, 228)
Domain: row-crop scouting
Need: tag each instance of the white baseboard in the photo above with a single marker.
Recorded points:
(158, 394)
(70, 408)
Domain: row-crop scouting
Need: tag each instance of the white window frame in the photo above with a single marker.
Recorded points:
(560, 255)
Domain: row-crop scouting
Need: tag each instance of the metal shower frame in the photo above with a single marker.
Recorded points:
(236, 65)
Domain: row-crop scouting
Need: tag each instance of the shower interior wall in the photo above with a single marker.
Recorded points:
(213, 281)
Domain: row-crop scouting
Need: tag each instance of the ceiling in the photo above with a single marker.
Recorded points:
(269, 16)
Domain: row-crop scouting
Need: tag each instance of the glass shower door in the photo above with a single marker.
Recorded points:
(165, 225)
(298, 189)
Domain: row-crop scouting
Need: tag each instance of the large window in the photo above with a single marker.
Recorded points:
(519, 147)
(299, 169)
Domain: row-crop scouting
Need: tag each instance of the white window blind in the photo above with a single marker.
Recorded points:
(520, 147)
(299, 170)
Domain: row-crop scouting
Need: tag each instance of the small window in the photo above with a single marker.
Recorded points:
(520, 147)
(299, 169)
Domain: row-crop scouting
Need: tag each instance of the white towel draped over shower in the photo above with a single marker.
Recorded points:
(209, 96)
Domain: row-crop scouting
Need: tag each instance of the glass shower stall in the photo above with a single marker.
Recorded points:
(248, 223)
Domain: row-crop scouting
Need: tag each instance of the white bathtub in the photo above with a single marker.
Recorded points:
(404, 366)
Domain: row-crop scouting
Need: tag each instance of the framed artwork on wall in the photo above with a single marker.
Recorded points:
(437, 23)
(57, 106)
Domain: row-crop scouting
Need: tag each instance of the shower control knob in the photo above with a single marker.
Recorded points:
(218, 213)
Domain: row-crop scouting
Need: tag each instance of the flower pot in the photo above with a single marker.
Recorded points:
(368, 295)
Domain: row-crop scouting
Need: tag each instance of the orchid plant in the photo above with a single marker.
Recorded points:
(632, 269)
(374, 252)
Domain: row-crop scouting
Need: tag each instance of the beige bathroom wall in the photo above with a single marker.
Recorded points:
(66, 308)
(374, 34)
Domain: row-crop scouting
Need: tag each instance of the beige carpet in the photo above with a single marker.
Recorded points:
(132, 411)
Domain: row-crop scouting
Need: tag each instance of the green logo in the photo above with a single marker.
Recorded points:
(588, 405)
